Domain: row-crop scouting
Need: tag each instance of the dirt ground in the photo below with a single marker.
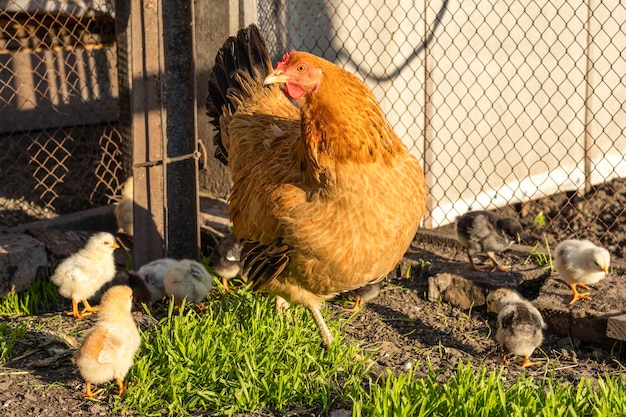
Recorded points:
(409, 330)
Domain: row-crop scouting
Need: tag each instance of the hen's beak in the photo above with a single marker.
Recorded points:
(275, 77)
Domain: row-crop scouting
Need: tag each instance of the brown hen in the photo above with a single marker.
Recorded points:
(325, 196)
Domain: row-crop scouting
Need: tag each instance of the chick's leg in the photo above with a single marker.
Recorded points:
(89, 393)
(496, 265)
(526, 362)
(74, 313)
(577, 295)
(327, 338)
(225, 284)
(122, 387)
(506, 362)
(472, 265)
(358, 302)
(88, 308)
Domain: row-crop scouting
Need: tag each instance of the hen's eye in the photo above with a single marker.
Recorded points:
(301, 68)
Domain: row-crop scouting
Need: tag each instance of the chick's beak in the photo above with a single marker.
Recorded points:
(275, 77)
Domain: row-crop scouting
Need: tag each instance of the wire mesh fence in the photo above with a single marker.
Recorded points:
(511, 105)
(60, 150)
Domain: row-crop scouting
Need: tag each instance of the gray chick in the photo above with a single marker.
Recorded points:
(226, 260)
(486, 232)
(520, 325)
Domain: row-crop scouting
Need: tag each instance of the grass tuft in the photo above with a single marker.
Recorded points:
(40, 296)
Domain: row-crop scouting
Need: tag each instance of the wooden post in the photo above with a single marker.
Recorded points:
(163, 130)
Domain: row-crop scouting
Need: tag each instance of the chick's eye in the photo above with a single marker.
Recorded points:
(301, 67)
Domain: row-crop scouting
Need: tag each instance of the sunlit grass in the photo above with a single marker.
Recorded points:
(39, 296)
(475, 391)
(238, 356)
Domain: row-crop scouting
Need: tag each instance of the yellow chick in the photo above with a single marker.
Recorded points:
(188, 279)
(108, 349)
(520, 325)
(124, 209)
(581, 263)
(82, 274)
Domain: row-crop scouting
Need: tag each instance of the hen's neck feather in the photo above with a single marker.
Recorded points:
(342, 122)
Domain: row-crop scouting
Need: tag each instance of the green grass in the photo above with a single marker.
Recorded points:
(478, 392)
(38, 297)
(10, 334)
(238, 356)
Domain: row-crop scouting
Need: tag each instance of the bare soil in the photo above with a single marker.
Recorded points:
(408, 330)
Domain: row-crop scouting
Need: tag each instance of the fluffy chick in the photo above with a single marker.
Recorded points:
(82, 274)
(520, 325)
(124, 209)
(108, 349)
(226, 259)
(581, 263)
(484, 231)
(188, 280)
(153, 274)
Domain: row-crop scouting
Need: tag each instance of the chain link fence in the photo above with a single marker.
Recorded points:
(60, 150)
(511, 105)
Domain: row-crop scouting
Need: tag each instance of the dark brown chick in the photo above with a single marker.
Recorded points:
(226, 260)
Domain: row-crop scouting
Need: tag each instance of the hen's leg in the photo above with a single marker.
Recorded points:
(496, 265)
(577, 295)
(280, 304)
(327, 338)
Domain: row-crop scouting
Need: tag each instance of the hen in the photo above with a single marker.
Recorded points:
(484, 231)
(581, 263)
(325, 196)
(82, 274)
(108, 349)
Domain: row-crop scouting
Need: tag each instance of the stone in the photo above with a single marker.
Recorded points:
(22, 260)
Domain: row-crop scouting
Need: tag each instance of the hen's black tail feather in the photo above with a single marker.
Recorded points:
(245, 53)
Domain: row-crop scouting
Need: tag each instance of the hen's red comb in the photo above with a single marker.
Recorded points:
(282, 64)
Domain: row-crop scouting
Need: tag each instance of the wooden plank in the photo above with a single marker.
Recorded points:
(616, 327)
